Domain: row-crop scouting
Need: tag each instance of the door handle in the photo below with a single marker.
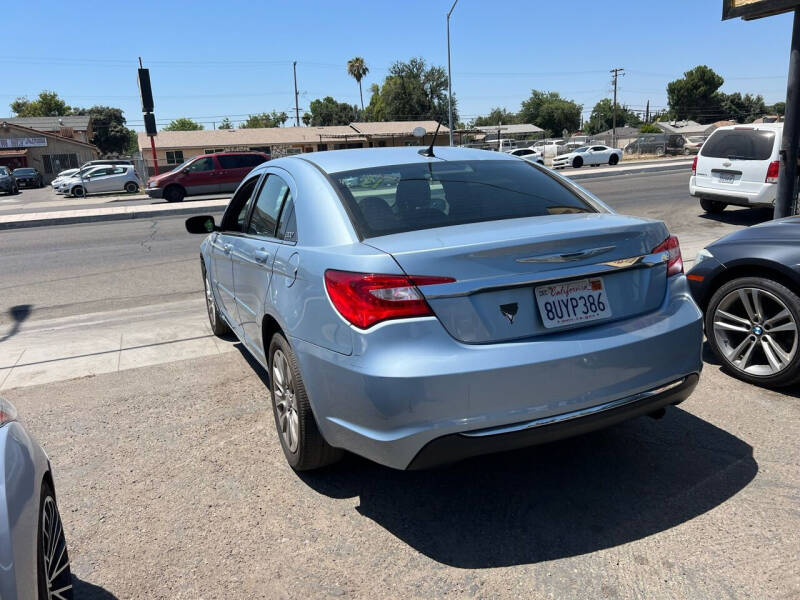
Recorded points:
(261, 255)
(226, 248)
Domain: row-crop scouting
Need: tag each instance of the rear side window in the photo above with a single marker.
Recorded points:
(741, 144)
(399, 198)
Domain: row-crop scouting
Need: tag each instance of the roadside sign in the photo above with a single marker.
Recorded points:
(755, 9)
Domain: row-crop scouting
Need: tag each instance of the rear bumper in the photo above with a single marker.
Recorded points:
(409, 383)
(458, 446)
(764, 196)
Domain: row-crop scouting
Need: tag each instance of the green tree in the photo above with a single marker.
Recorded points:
(551, 112)
(47, 104)
(225, 124)
(357, 69)
(779, 108)
(696, 95)
(330, 112)
(650, 128)
(602, 117)
(743, 108)
(411, 90)
(496, 116)
(108, 125)
(183, 124)
(262, 120)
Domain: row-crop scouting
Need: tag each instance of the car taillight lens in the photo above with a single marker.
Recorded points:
(772, 172)
(7, 412)
(694, 166)
(674, 260)
(365, 299)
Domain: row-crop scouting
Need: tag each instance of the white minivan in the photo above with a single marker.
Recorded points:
(737, 165)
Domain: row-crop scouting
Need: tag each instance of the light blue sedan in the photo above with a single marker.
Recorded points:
(34, 563)
(420, 306)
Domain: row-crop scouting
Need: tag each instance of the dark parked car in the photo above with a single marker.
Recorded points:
(656, 143)
(8, 182)
(748, 286)
(205, 174)
(28, 177)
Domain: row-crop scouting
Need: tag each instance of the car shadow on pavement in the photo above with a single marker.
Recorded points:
(83, 590)
(553, 501)
(740, 216)
(18, 314)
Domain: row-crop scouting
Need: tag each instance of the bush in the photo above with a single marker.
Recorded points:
(649, 128)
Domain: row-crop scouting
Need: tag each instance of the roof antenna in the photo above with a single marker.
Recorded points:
(429, 150)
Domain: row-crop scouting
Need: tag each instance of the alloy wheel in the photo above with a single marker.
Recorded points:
(755, 331)
(285, 401)
(54, 552)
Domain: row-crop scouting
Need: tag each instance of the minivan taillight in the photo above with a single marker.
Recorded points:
(674, 259)
(694, 165)
(365, 299)
(772, 172)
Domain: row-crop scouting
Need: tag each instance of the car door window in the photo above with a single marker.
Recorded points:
(118, 170)
(202, 164)
(598, 148)
(287, 226)
(235, 217)
(267, 207)
(98, 173)
(230, 161)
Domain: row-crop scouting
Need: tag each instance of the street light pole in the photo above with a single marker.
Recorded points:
(449, 76)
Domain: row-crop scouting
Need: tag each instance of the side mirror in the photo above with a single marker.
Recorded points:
(201, 224)
(185, 171)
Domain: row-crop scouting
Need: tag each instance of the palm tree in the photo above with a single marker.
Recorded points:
(357, 69)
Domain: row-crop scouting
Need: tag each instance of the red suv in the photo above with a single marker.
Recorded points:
(205, 174)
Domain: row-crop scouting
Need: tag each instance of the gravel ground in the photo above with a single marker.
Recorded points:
(172, 485)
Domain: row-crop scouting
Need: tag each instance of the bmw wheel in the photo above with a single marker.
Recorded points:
(218, 325)
(302, 443)
(53, 573)
(752, 326)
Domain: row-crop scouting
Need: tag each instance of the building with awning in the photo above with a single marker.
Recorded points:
(47, 152)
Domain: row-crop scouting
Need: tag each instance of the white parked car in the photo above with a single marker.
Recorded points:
(693, 144)
(549, 147)
(588, 155)
(738, 165)
(62, 176)
(525, 152)
(104, 178)
(534, 158)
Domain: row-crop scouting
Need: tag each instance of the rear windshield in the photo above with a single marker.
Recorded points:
(741, 144)
(399, 198)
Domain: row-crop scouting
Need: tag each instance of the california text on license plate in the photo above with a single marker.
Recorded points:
(572, 302)
(726, 177)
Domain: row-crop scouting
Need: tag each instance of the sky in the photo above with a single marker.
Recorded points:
(210, 59)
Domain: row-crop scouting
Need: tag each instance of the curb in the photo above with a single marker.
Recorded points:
(51, 219)
(631, 171)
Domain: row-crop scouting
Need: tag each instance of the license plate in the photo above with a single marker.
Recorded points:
(726, 177)
(572, 302)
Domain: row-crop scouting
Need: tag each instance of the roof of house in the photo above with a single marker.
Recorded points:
(511, 129)
(688, 127)
(78, 122)
(389, 128)
(39, 132)
(266, 136)
(621, 132)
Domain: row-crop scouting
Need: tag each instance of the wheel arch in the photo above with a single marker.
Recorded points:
(269, 327)
(765, 269)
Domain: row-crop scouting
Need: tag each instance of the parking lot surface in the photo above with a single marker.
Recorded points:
(177, 488)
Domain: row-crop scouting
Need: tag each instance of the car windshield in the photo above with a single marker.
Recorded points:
(183, 165)
(739, 144)
(24, 171)
(400, 198)
(3, 172)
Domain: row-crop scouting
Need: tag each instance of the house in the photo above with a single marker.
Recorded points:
(684, 128)
(48, 152)
(77, 127)
(175, 147)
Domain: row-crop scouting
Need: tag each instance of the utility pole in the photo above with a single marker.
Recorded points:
(616, 71)
(296, 101)
(787, 179)
(450, 77)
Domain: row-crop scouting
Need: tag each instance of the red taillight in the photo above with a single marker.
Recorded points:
(674, 260)
(772, 172)
(694, 166)
(368, 298)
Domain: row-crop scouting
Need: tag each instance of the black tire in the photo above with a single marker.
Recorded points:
(174, 193)
(788, 375)
(686, 152)
(51, 543)
(78, 191)
(577, 162)
(131, 187)
(218, 325)
(660, 151)
(712, 206)
(613, 159)
(15, 190)
(311, 451)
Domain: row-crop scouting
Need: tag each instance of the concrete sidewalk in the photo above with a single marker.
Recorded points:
(85, 345)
